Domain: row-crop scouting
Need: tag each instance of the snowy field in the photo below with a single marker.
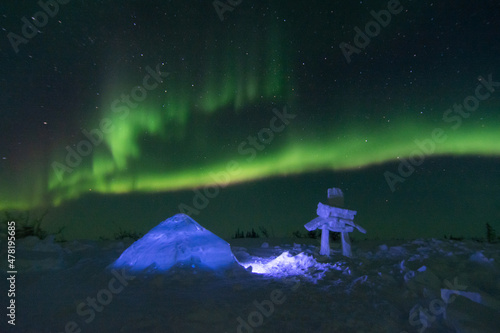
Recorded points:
(398, 286)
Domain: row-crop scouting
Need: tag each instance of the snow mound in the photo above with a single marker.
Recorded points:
(179, 240)
(479, 257)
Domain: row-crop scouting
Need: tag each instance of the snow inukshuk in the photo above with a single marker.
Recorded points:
(333, 218)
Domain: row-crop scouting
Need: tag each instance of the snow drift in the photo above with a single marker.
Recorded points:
(423, 285)
(179, 240)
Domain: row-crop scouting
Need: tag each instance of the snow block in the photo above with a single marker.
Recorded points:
(480, 258)
(179, 240)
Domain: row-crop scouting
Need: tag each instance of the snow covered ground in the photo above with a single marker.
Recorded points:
(397, 286)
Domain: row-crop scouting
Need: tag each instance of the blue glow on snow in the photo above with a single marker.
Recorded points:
(181, 241)
(286, 265)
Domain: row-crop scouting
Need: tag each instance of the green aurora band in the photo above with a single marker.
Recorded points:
(355, 148)
(190, 127)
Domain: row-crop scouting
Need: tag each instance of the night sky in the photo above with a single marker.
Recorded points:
(120, 114)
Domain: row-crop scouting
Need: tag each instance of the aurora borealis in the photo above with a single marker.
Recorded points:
(118, 100)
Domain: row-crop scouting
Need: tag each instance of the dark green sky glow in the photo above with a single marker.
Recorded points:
(126, 100)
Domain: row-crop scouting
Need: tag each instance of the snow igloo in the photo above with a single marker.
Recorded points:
(177, 241)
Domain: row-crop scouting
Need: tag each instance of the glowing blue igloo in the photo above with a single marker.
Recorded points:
(179, 240)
